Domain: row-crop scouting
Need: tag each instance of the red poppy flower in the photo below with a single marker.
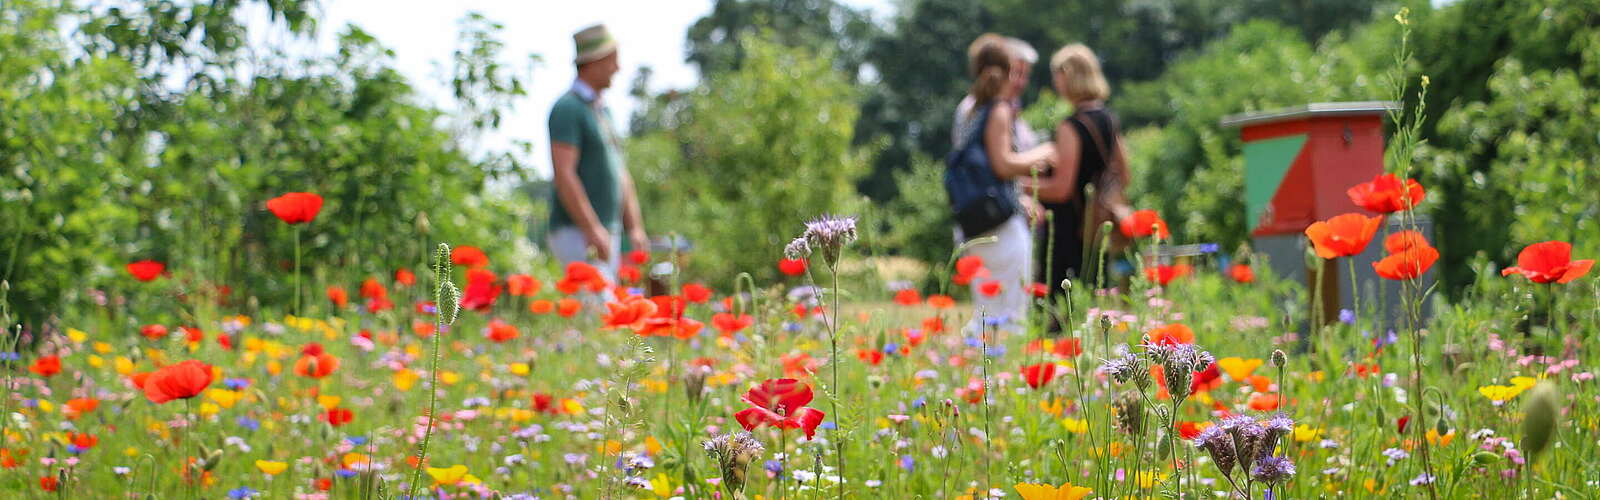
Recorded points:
(798, 364)
(989, 288)
(377, 304)
(183, 380)
(780, 403)
(372, 289)
(581, 276)
(405, 277)
(1404, 240)
(1549, 261)
(1407, 264)
(969, 268)
(729, 324)
(907, 297)
(295, 208)
(792, 267)
(146, 270)
(1242, 273)
(680, 327)
(544, 403)
(337, 416)
(629, 313)
(1038, 290)
(638, 257)
(914, 337)
(1387, 194)
(1069, 347)
(481, 291)
(1188, 430)
(1207, 379)
(192, 335)
(79, 406)
(49, 483)
(941, 301)
(1143, 223)
(1343, 235)
(1039, 375)
(83, 441)
(1164, 275)
(153, 332)
(1401, 423)
(469, 256)
(627, 273)
(522, 285)
(500, 331)
(338, 296)
(46, 366)
(696, 293)
(314, 362)
(568, 307)
(1171, 334)
(871, 356)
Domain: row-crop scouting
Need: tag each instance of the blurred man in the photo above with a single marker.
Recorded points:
(594, 200)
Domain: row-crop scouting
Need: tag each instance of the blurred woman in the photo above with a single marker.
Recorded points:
(1088, 150)
(1001, 297)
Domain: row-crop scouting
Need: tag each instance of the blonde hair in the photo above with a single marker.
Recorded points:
(993, 68)
(1084, 80)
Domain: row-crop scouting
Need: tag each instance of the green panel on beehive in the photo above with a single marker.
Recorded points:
(1265, 164)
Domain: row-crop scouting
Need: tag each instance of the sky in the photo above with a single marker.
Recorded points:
(422, 35)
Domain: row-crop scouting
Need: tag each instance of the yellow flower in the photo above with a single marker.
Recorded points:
(519, 369)
(209, 409)
(224, 397)
(652, 446)
(1304, 433)
(1238, 368)
(124, 365)
(449, 377)
(352, 460)
(1075, 425)
(405, 379)
(1147, 479)
(571, 406)
(102, 347)
(611, 447)
(271, 468)
(1047, 492)
(46, 406)
(76, 336)
(448, 475)
(661, 486)
(96, 361)
(329, 402)
(1052, 407)
(652, 385)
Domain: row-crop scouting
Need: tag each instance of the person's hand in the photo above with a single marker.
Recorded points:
(1033, 209)
(638, 239)
(599, 239)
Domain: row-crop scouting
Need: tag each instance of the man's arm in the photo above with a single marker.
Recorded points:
(632, 221)
(569, 191)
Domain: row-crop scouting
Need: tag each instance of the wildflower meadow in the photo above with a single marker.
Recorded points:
(362, 335)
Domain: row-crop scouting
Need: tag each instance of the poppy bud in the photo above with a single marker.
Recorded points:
(1539, 420)
(1485, 458)
(1279, 358)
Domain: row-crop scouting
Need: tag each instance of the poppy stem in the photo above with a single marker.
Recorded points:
(297, 310)
(1355, 291)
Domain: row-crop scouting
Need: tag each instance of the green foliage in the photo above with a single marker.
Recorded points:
(759, 151)
(919, 221)
(107, 161)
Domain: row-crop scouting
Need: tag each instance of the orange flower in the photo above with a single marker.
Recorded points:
(1264, 402)
(1171, 334)
(969, 268)
(146, 270)
(154, 332)
(1242, 273)
(871, 356)
(1142, 223)
(1549, 261)
(522, 285)
(541, 306)
(941, 301)
(696, 293)
(568, 307)
(78, 406)
(729, 324)
(372, 289)
(989, 288)
(500, 331)
(1343, 235)
(405, 277)
(1387, 194)
(1404, 240)
(338, 296)
(337, 416)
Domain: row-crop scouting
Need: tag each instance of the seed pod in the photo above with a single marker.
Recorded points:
(1539, 419)
(1279, 358)
(1485, 458)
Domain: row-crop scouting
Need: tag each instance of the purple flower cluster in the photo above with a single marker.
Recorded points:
(1249, 443)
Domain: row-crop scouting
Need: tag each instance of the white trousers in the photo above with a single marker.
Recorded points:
(1010, 262)
(567, 244)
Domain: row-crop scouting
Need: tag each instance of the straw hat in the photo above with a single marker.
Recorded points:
(593, 43)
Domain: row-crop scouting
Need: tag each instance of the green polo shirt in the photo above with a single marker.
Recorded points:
(574, 122)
